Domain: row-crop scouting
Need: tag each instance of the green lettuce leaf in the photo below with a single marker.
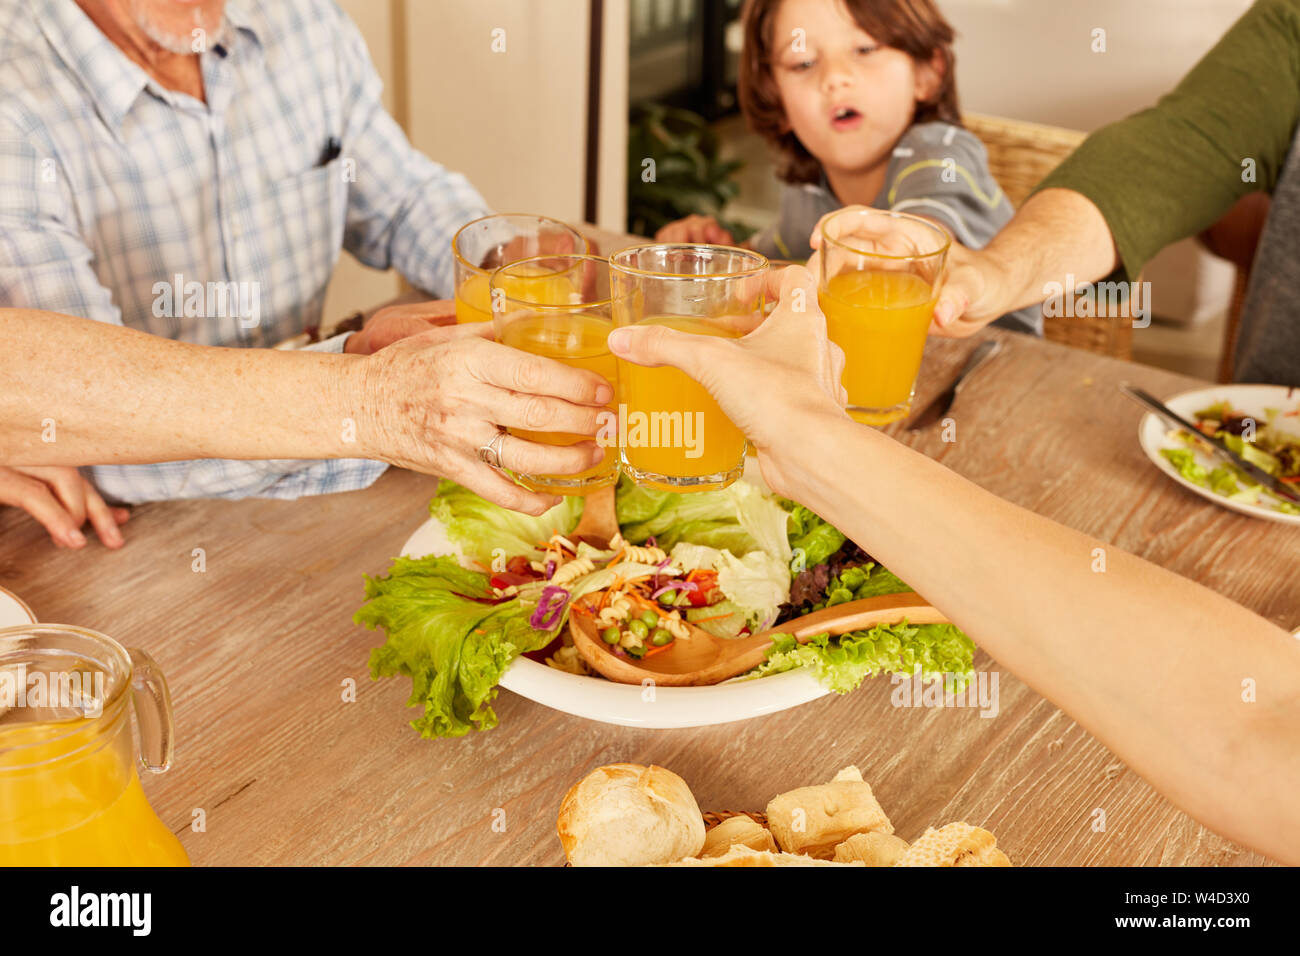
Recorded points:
(1247, 450)
(1185, 461)
(739, 519)
(479, 528)
(862, 581)
(452, 647)
(842, 663)
(812, 536)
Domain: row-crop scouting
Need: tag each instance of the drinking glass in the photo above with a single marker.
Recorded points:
(879, 275)
(484, 245)
(673, 435)
(559, 307)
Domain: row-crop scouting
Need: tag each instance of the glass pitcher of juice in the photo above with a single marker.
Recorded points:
(69, 791)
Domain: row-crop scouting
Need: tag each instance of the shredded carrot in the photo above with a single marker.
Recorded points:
(1294, 479)
(657, 650)
(716, 617)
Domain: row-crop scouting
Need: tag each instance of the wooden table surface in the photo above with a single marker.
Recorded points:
(259, 648)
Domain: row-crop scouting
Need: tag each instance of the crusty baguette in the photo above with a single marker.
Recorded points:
(625, 814)
(873, 849)
(815, 820)
(957, 844)
(744, 856)
(737, 831)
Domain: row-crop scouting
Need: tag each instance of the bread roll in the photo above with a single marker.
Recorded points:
(744, 856)
(814, 820)
(625, 814)
(957, 844)
(873, 849)
(737, 831)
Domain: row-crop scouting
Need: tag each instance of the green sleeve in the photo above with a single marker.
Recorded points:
(1170, 171)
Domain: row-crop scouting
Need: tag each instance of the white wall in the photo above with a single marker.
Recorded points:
(1033, 60)
(513, 121)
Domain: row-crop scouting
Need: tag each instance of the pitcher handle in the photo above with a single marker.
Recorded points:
(153, 712)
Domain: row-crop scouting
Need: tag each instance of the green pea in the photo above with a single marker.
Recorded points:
(638, 628)
(651, 618)
(610, 635)
(660, 637)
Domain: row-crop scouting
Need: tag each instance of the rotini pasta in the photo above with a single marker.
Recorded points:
(571, 571)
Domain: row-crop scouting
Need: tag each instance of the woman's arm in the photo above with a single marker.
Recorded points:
(1149, 662)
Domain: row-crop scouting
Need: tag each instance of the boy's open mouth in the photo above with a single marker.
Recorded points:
(845, 118)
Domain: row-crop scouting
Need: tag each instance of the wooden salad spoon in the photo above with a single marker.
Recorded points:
(599, 521)
(702, 658)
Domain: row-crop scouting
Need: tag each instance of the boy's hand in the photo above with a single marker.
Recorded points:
(695, 229)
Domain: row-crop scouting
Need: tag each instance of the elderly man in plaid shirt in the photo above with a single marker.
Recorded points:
(152, 147)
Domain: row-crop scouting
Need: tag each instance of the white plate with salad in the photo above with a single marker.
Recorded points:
(13, 610)
(1261, 421)
(480, 596)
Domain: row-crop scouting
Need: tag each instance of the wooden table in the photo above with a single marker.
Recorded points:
(259, 649)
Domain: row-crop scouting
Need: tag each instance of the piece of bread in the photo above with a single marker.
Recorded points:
(873, 849)
(815, 820)
(625, 814)
(744, 856)
(737, 831)
(957, 844)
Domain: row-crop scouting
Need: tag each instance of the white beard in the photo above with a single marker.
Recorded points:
(170, 41)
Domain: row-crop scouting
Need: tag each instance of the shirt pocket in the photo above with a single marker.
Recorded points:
(305, 219)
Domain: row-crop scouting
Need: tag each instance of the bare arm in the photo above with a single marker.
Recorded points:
(427, 402)
(77, 392)
(1149, 662)
(1057, 233)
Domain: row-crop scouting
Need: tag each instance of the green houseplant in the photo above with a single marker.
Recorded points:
(674, 170)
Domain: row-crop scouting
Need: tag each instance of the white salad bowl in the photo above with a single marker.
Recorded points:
(632, 705)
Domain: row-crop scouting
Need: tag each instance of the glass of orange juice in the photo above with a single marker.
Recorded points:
(486, 244)
(69, 791)
(673, 435)
(879, 275)
(559, 307)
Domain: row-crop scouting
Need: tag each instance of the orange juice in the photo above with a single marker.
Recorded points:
(674, 428)
(84, 809)
(473, 302)
(880, 320)
(579, 341)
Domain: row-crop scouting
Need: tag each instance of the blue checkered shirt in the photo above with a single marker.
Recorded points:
(220, 222)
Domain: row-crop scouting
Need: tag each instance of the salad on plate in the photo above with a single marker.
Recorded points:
(732, 562)
(1269, 444)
